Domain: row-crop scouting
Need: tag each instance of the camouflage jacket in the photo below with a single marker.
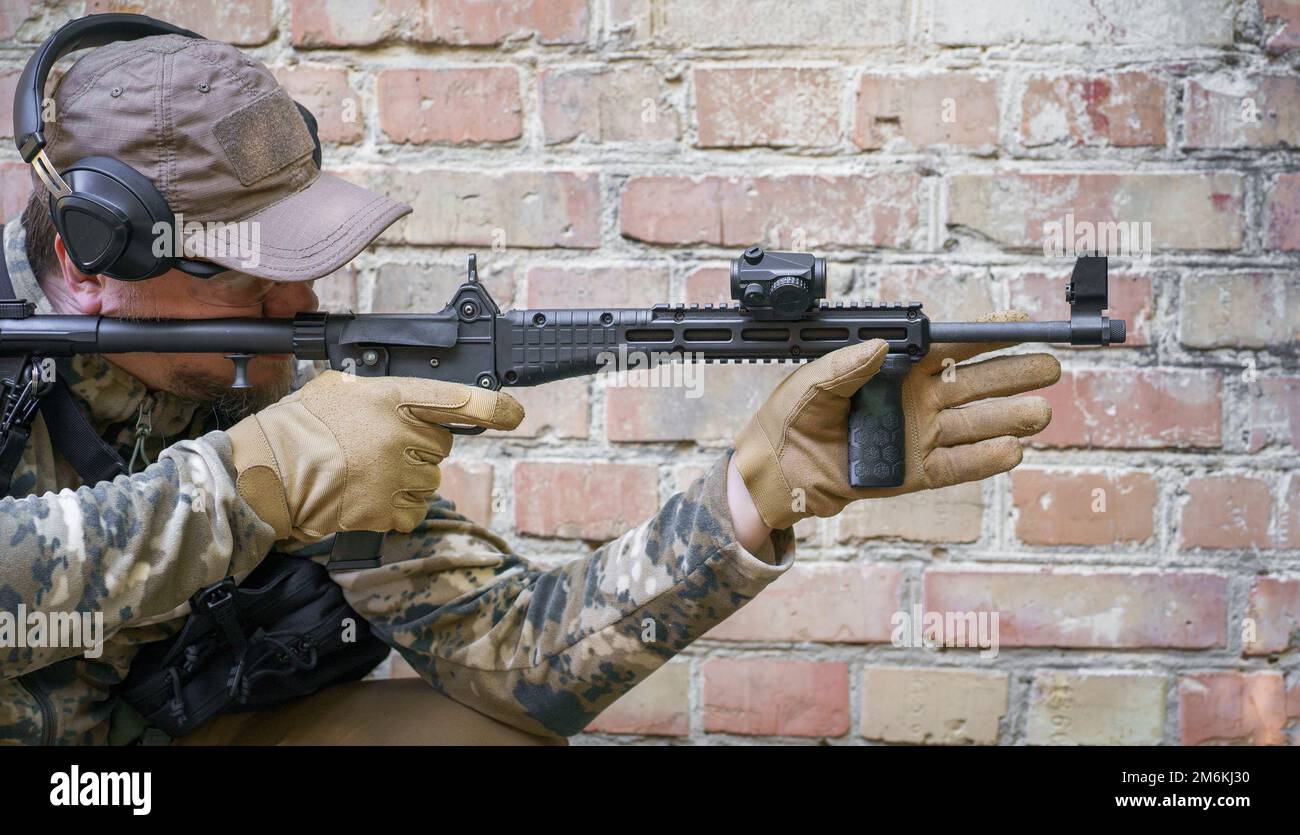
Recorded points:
(542, 650)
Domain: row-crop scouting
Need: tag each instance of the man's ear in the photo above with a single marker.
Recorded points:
(84, 293)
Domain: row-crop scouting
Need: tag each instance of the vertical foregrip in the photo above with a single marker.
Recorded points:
(876, 428)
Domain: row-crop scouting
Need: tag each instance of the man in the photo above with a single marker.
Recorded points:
(514, 653)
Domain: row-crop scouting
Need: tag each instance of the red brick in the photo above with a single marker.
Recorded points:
(14, 14)
(468, 484)
(708, 285)
(323, 23)
(606, 104)
(527, 208)
(456, 105)
(1281, 24)
(739, 107)
(1256, 111)
(1291, 515)
(558, 409)
(948, 293)
(1284, 213)
(823, 602)
(8, 81)
(1060, 507)
(15, 185)
(1088, 609)
(244, 23)
(1273, 416)
(658, 706)
(1042, 296)
(1293, 697)
(714, 403)
(949, 514)
(326, 93)
(1124, 109)
(1275, 607)
(583, 501)
(1186, 210)
(1232, 707)
(1144, 408)
(880, 209)
(768, 697)
(739, 24)
(633, 286)
(955, 109)
(1226, 512)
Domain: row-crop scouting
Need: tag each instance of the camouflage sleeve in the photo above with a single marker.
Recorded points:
(132, 549)
(546, 651)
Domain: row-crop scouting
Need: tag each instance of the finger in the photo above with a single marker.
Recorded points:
(845, 370)
(946, 466)
(969, 424)
(998, 377)
(933, 362)
(437, 402)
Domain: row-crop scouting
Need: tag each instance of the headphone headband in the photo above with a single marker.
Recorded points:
(82, 33)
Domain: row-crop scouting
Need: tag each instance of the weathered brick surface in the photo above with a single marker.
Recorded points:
(1135, 409)
(959, 110)
(1232, 707)
(461, 105)
(932, 706)
(1226, 511)
(769, 697)
(1275, 608)
(824, 602)
(1125, 110)
(1096, 708)
(1088, 609)
(1070, 507)
(616, 153)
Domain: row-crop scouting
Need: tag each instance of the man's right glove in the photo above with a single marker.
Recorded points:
(348, 453)
(793, 454)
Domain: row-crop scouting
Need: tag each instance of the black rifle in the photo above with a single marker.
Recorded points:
(778, 314)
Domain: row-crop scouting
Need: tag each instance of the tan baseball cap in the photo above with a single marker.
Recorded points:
(224, 143)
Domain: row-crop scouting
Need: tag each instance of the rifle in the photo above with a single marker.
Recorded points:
(779, 313)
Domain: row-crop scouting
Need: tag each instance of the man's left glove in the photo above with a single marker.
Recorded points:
(793, 454)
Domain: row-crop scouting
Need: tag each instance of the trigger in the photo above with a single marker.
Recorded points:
(457, 429)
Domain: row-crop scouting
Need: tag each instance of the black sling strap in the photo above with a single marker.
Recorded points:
(72, 435)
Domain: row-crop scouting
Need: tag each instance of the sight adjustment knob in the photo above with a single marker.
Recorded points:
(790, 295)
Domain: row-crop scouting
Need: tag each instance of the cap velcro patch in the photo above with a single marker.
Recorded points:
(264, 136)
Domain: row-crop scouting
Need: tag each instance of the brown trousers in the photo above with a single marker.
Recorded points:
(403, 711)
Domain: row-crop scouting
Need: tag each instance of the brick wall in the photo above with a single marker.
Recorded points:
(1145, 559)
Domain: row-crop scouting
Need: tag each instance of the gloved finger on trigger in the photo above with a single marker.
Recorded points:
(933, 362)
(946, 466)
(997, 377)
(471, 406)
(980, 421)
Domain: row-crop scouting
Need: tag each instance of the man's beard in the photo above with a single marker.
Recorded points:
(232, 404)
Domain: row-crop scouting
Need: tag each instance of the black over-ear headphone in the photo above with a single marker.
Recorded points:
(103, 209)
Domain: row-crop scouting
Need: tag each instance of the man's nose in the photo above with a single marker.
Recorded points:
(289, 298)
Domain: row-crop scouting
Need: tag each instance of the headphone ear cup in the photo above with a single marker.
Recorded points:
(110, 221)
(313, 130)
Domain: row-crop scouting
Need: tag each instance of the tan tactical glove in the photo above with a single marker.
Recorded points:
(348, 453)
(793, 454)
